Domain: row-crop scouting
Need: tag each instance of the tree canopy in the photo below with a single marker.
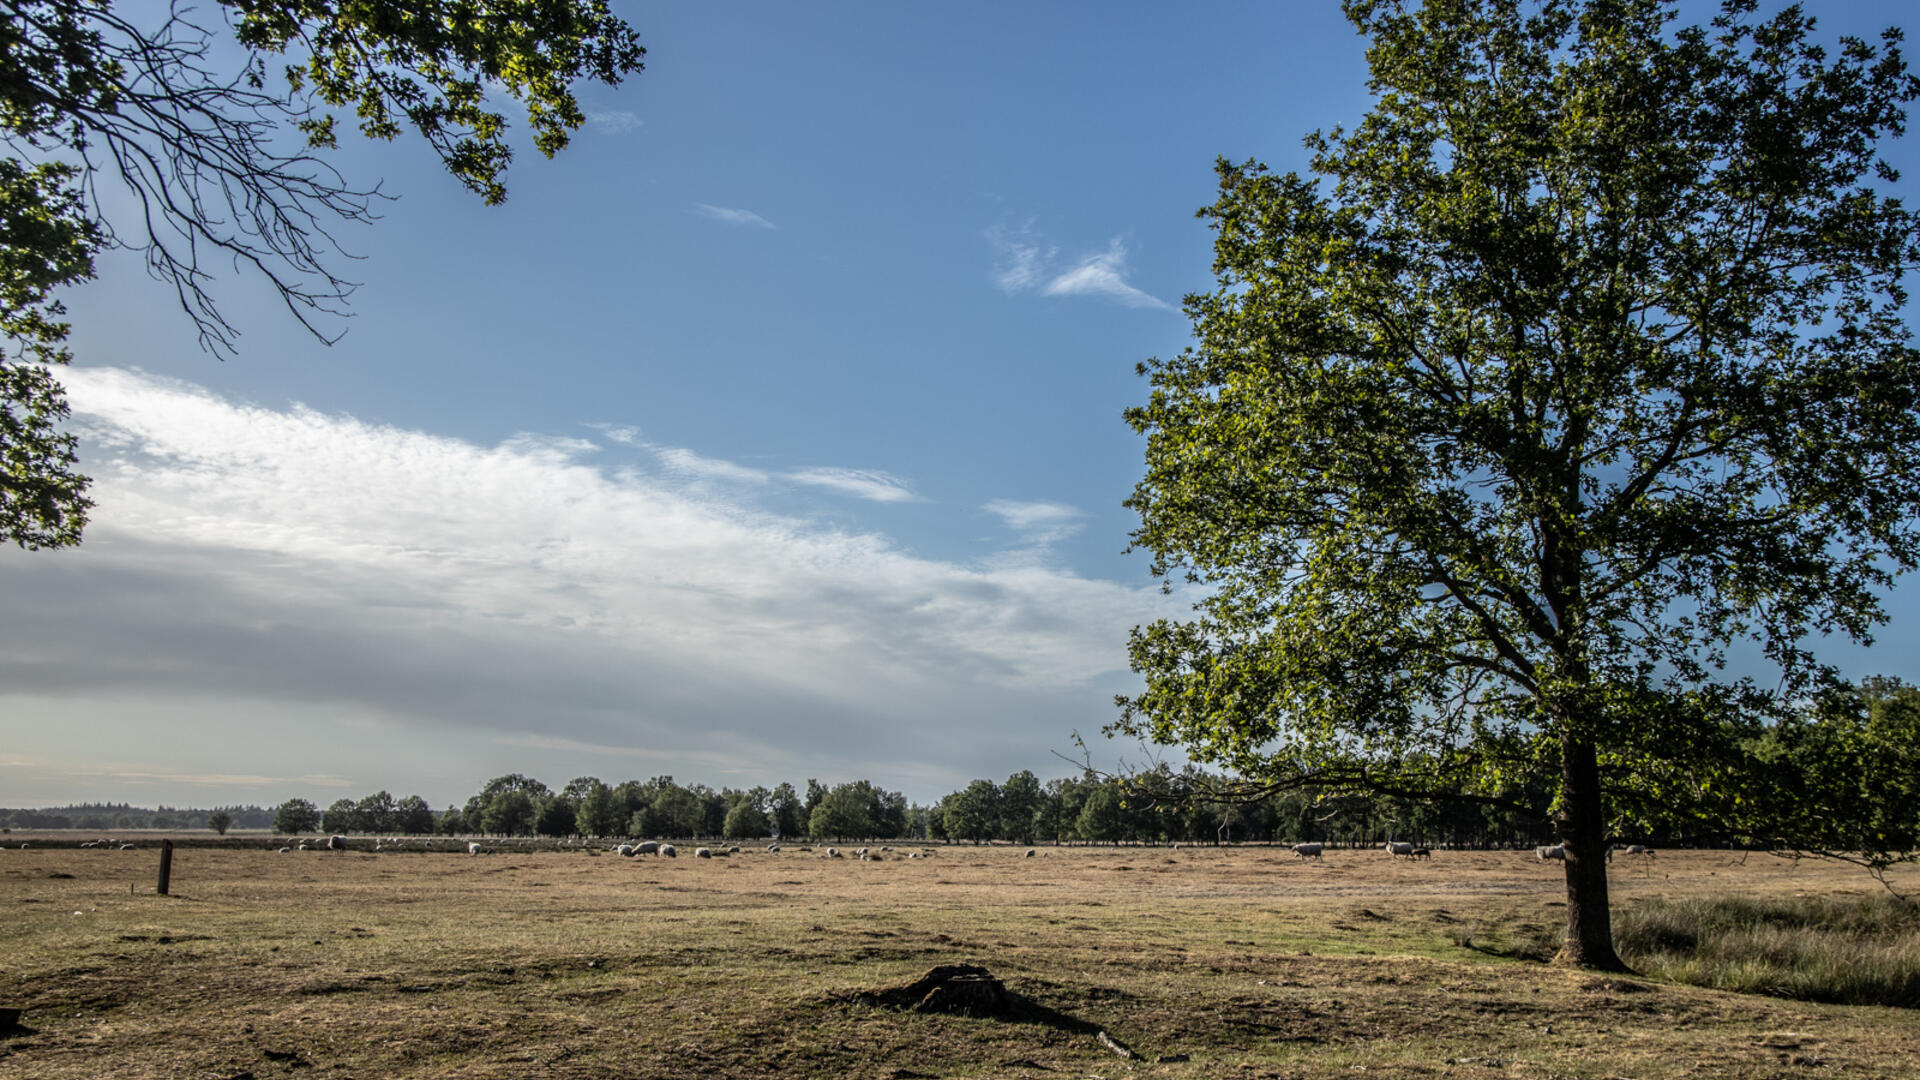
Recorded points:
(1541, 430)
(226, 167)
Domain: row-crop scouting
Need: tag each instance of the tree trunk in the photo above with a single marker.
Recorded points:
(1583, 829)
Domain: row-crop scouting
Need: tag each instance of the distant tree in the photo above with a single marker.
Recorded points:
(555, 816)
(219, 820)
(508, 813)
(745, 821)
(452, 823)
(413, 816)
(376, 813)
(1020, 800)
(578, 787)
(1841, 778)
(600, 812)
(1103, 815)
(785, 809)
(974, 812)
(476, 808)
(342, 817)
(295, 816)
(844, 811)
(677, 812)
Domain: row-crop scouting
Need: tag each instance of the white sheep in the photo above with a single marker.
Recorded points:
(625, 849)
(474, 848)
(1399, 847)
(1308, 851)
(336, 843)
(669, 851)
(1555, 852)
(702, 853)
(647, 847)
(1030, 854)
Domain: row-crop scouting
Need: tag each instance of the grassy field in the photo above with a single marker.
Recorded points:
(1247, 962)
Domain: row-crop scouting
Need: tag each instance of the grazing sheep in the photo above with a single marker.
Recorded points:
(474, 848)
(1423, 853)
(833, 853)
(336, 843)
(304, 847)
(733, 849)
(669, 851)
(1030, 854)
(123, 847)
(647, 847)
(1308, 851)
(702, 853)
(625, 849)
(284, 850)
(1398, 848)
(773, 847)
(1553, 852)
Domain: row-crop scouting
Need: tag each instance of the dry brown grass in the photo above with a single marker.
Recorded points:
(1252, 964)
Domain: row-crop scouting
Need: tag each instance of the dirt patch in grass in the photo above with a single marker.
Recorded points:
(1247, 962)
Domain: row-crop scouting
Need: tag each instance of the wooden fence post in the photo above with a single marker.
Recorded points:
(166, 865)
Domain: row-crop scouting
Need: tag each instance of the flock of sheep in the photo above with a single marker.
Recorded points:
(1404, 849)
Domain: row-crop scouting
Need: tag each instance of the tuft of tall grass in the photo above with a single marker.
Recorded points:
(1849, 950)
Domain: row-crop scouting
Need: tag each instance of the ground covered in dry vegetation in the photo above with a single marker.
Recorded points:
(1225, 962)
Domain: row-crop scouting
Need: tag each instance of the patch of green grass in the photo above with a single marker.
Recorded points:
(1847, 949)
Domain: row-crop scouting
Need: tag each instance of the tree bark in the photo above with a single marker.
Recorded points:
(1583, 829)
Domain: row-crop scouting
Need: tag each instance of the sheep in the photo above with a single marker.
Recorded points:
(285, 850)
(773, 847)
(833, 853)
(336, 843)
(625, 849)
(1553, 852)
(1308, 851)
(1398, 848)
(1030, 854)
(733, 849)
(474, 848)
(1423, 853)
(647, 847)
(669, 851)
(702, 853)
(304, 847)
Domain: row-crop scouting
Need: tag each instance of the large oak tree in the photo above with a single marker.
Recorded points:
(1541, 430)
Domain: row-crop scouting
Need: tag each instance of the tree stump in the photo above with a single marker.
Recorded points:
(952, 988)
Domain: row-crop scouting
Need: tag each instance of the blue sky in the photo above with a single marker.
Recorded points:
(770, 432)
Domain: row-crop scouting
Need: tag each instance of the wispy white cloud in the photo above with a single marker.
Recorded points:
(731, 216)
(867, 484)
(276, 592)
(1103, 274)
(1024, 262)
(624, 434)
(684, 462)
(614, 122)
(1020, 257)
(1038, 522)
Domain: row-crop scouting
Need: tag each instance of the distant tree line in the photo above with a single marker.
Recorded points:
(1850, 764)
(101, 817)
